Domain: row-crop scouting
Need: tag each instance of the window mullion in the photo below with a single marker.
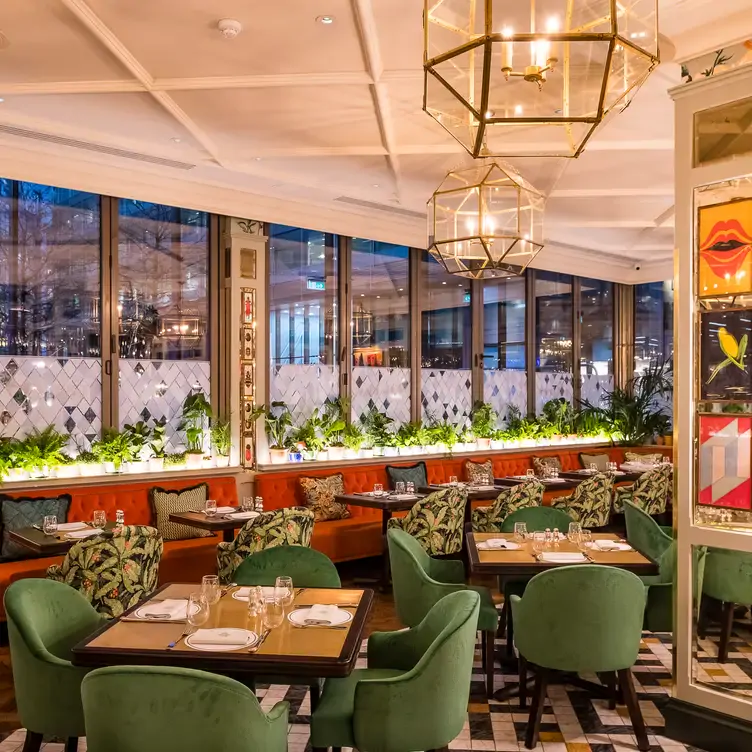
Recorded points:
(345, 314)
(416, 343)
(110, 318)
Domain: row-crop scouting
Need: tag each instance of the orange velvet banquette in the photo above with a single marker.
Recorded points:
(182, 561)
(360, 535)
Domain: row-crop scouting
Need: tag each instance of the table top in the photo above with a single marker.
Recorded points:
(473, 494)
(563, 484)
(46, 545)
(204, 522)
(522, 561)
(621, 476)
(378, 502)
(288, 650)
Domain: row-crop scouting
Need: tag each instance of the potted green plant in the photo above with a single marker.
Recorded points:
(174, 461)
(68, 468)
(332, 425)
(89, 464)
(483, 424)
(377, 427)
(221, 439)
(353, 437)
(309, 437)
(196, 411)
(278, 422)
(40, 451)
(158, 445)
(138, 434)
(410, 438)
(114, 449)
(443, 436)
(5, 462)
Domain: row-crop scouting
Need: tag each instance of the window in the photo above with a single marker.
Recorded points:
(654, 323)
(446, 344)
(596, 338)
(50, 305)
(163, 311)
(303, 340)
(553, 337)
(504, 374)
(380, 329)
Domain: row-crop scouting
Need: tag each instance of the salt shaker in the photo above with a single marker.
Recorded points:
(120, 518)
(548, 538)
(259, 504)
(556, 537)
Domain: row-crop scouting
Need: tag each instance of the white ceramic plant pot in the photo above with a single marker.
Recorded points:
(483, 443)
(438, 448)
(16, 473)
(390, 452)
(194, 460)
(525, 443)
(66, 471)
(156, 464)
(336, 453)
(222, 460)
(109, 467)
(140, 466)
(351, 454)
(277, 456)
(366, 453)
(323, 455)
(378, 451)
(90, 469)
(497, 444)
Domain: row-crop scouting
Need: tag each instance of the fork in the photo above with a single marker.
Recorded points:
(186, 632)
(320, 626)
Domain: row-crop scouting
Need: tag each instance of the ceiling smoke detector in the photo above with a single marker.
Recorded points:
(229, 28)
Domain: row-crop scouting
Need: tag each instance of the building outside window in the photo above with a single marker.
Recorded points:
(654, 323)
(596, 339)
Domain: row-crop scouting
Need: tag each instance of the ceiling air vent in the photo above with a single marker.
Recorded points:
(381, 207)
(12, 130)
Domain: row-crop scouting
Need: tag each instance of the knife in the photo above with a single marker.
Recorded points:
(264, 635)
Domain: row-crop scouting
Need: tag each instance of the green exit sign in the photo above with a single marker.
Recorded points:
(316, 284)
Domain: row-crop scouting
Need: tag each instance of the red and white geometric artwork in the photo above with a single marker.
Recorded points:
(725, 452)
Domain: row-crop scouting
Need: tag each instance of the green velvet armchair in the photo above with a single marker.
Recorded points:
(307, 567)
(644, 533)
(537, 519)
(154, 709)
(490, 519)
(590, 503)
(580, 619)
(414, 693)
(420, 582)
(45, 620)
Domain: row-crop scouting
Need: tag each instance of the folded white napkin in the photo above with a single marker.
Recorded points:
(322, 615)
(78, 534)
(65, 527)
(496, 543)
(221, 636)
(483, 488)
(555, 480)
(243, 515)
(563, 557)
(225, 510)
(171, 608)
(402, 497)
(610, 545)
(242, 593)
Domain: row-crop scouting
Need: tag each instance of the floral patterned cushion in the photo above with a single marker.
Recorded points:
(651, 492)
(541, 463)
(25, 512)
(415, 474)
(115, 571)
(599, 460)
(479, 472)
(590, 504)
(291, 526)
(490, 519)
(436, 521)
(164, 503)
(319, 496)
(643, 459)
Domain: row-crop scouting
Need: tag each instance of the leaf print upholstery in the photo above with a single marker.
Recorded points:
(115, 571)
(489, 519)
(436, 521)
(590, 503)
(651, 492)
(291, 526)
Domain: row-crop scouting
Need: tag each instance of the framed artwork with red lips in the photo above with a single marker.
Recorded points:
(725, 248)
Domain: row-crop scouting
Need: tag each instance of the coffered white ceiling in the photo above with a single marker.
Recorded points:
(292, 116)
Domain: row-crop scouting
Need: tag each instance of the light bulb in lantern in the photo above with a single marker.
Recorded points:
(507, 53)
(552, 27)
(541, 52)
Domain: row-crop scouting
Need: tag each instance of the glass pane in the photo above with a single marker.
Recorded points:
(654, 323)
(445, 344)
(50, 326)
(553, 337)
(597, 338)
(723, 132)
(380, 326)
(163, 308)
(303, 339)
(505, 374)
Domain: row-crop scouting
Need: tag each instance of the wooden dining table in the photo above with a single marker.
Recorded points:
(219, 523)
(289, 651)
(41, 543)
(549, 484)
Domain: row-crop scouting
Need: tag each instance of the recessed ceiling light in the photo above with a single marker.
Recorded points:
(176, 139)
(375, 185)
(443, 283)
(258, 159)
(326, 20)
(1, 99)
(518, 109)
(489, 114)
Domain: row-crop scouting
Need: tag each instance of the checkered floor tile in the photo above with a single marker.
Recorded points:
(735, 674)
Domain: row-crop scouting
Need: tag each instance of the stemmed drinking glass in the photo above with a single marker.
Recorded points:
(284, 591)
(198, 611)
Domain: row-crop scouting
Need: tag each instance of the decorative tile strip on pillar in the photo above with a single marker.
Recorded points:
(248, 375)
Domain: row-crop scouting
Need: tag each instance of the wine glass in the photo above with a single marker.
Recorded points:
(284, 591)
(198, 611)
(100, 518)
(585, 541)
(49, 524)
(210, 507)
(274, 613)
(210, 588)
(520, 531)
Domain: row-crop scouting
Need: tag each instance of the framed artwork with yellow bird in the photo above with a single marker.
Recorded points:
(725, 355)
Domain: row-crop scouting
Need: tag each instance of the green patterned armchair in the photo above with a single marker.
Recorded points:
(590, 503)
(436, 521)
(490, 519)
(290, 526)
(650, 493)
(113, 572)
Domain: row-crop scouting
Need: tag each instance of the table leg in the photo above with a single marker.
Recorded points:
(386, 571)
(228, 536)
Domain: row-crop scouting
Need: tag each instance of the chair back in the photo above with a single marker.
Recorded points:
(289, 526)
(592, 500)
(113, 572)
(652, 491)
(527, 494)
(538, 518)
(415, 591)
(437, 521)
(582, 618)
(728, 575)
(45, 620)
(307, 567)
(644, 533)
(151, 709)
(426, 707)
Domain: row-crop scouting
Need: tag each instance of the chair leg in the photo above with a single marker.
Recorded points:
(536, 709)
(483, 650)
(510, 634)
(523, 680)
(635, 714)
(71, 744)
(502, 630)
(315, 691)
(489, 649)
(33, 742)
(611, 683)
(727, 624)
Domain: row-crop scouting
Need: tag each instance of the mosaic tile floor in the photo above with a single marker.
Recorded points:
(573, 721)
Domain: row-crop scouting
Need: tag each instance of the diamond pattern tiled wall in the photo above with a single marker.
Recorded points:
(303, 387)
(64, 392)
(552, 385)
(504, 388)
(387, 389)
(156, 389)
(446, 395)
(593, 387)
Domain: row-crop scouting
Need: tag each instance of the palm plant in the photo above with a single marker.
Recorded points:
(278, 423)
(114, 447)
(158, 443)
(483, 420)
(353, 436)
(377, 427)
(221, 436)
(196, 409)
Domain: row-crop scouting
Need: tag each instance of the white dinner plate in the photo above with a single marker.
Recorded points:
(243, 515)
(508, 546)
(139, 613)
(300, 615)
(241, 594)
(563, 558)
(251, 638)
(598, 545)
